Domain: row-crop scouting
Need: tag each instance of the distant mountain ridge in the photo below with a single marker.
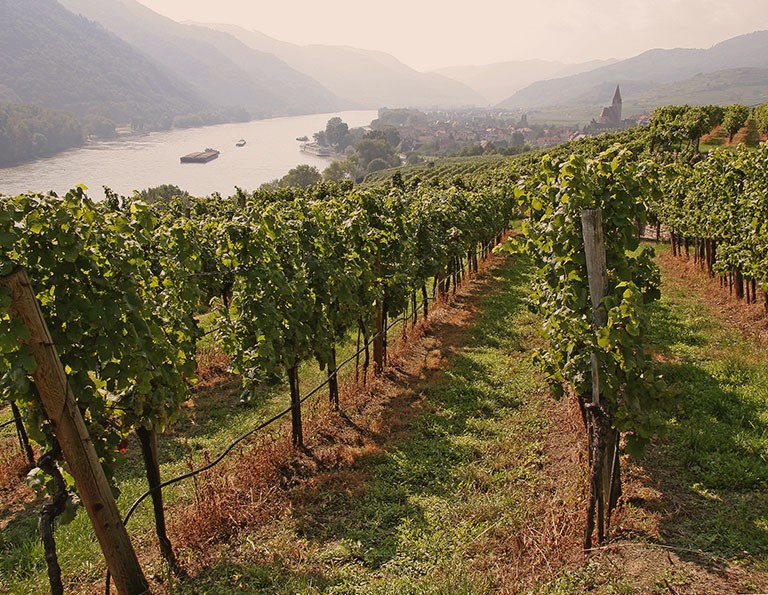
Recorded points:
(221, 69)
(53, 58)
(367, 78)
(646, 73)
(117, 60)
(496, 82)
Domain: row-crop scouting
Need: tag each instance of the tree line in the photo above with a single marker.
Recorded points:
(29, 131)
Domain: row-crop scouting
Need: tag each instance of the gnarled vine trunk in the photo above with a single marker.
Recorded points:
(148, 442)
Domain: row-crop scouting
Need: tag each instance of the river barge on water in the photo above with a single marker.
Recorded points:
(316, 149)
(200, 156)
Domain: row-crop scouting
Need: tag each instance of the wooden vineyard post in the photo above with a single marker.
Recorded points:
(597, 270)
(70, 431)
(605, 486)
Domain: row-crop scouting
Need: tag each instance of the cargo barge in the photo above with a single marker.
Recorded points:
(200, 156)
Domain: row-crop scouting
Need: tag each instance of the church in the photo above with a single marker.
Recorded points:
(611, 116)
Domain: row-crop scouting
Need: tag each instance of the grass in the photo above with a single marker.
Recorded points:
(415, 516)
(213, 419)
(717, 441)
(702, 496)
(410, 491)
(441, 503)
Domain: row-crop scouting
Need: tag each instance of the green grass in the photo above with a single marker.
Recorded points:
(413, 487)
(418, 520)
(711, 463)
(214, 421)
(717, 440)
(422, 515)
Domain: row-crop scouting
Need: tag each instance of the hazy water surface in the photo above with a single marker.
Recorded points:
(141, 162)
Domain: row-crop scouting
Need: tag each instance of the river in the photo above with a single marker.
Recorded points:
(140, 162)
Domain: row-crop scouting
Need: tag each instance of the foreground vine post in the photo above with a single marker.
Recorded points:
(333, 379)
(597, 271)
(602, 436)
(70, 430)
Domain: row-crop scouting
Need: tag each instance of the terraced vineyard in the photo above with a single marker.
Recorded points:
(179, 324)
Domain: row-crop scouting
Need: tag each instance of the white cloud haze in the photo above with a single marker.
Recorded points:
(430, 34)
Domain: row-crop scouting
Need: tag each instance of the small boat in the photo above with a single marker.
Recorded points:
(302, 139)
(201, 156)
(240, 143)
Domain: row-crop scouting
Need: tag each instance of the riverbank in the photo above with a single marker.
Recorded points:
(140, 162)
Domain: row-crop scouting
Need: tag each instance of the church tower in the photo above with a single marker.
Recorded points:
(616, 105)
(611, 115)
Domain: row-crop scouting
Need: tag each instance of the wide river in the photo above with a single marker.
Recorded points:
(140, 162)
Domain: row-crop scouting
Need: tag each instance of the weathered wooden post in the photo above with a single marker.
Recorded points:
(69, 428)
(605, 483)
(597, 270)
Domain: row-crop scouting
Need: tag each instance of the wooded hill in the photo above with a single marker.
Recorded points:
(53, 58)
(220, 68)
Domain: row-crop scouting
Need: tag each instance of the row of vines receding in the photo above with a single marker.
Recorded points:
(283, 278)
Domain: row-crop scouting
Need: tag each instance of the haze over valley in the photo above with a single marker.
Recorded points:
(117, 66)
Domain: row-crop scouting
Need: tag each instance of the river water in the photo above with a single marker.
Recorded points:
(140, 162)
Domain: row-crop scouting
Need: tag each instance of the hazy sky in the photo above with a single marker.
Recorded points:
(427, 34)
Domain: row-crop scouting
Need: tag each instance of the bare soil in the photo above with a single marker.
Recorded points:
(751, 320)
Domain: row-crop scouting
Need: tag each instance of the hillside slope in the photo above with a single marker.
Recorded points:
(221, 69)
(498, 81)
(53, 58)
(647, 73)
(369, 79)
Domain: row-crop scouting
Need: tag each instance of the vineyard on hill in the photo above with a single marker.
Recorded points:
(113, 315)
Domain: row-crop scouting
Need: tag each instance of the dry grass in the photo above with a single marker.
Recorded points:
(15, 495)
(265, 479)
(212, 365)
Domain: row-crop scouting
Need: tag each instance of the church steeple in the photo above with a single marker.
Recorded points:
(617, 97)
(616, 105)
(611, 116)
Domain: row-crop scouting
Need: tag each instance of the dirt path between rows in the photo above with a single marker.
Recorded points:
(373, 419)
(267, 481)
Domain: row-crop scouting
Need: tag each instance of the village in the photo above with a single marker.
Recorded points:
(473, 131)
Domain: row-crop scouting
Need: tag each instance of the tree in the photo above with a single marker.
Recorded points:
(387, 133)
(761, 117)
(377, 165)
(336, 134)
(340, 170)
(413, 158)
(696, 122)
(163, 193)
(370, 149)
(715, 114)
(667, 130)
(301, 176)
(734, 119)
(95, 125)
